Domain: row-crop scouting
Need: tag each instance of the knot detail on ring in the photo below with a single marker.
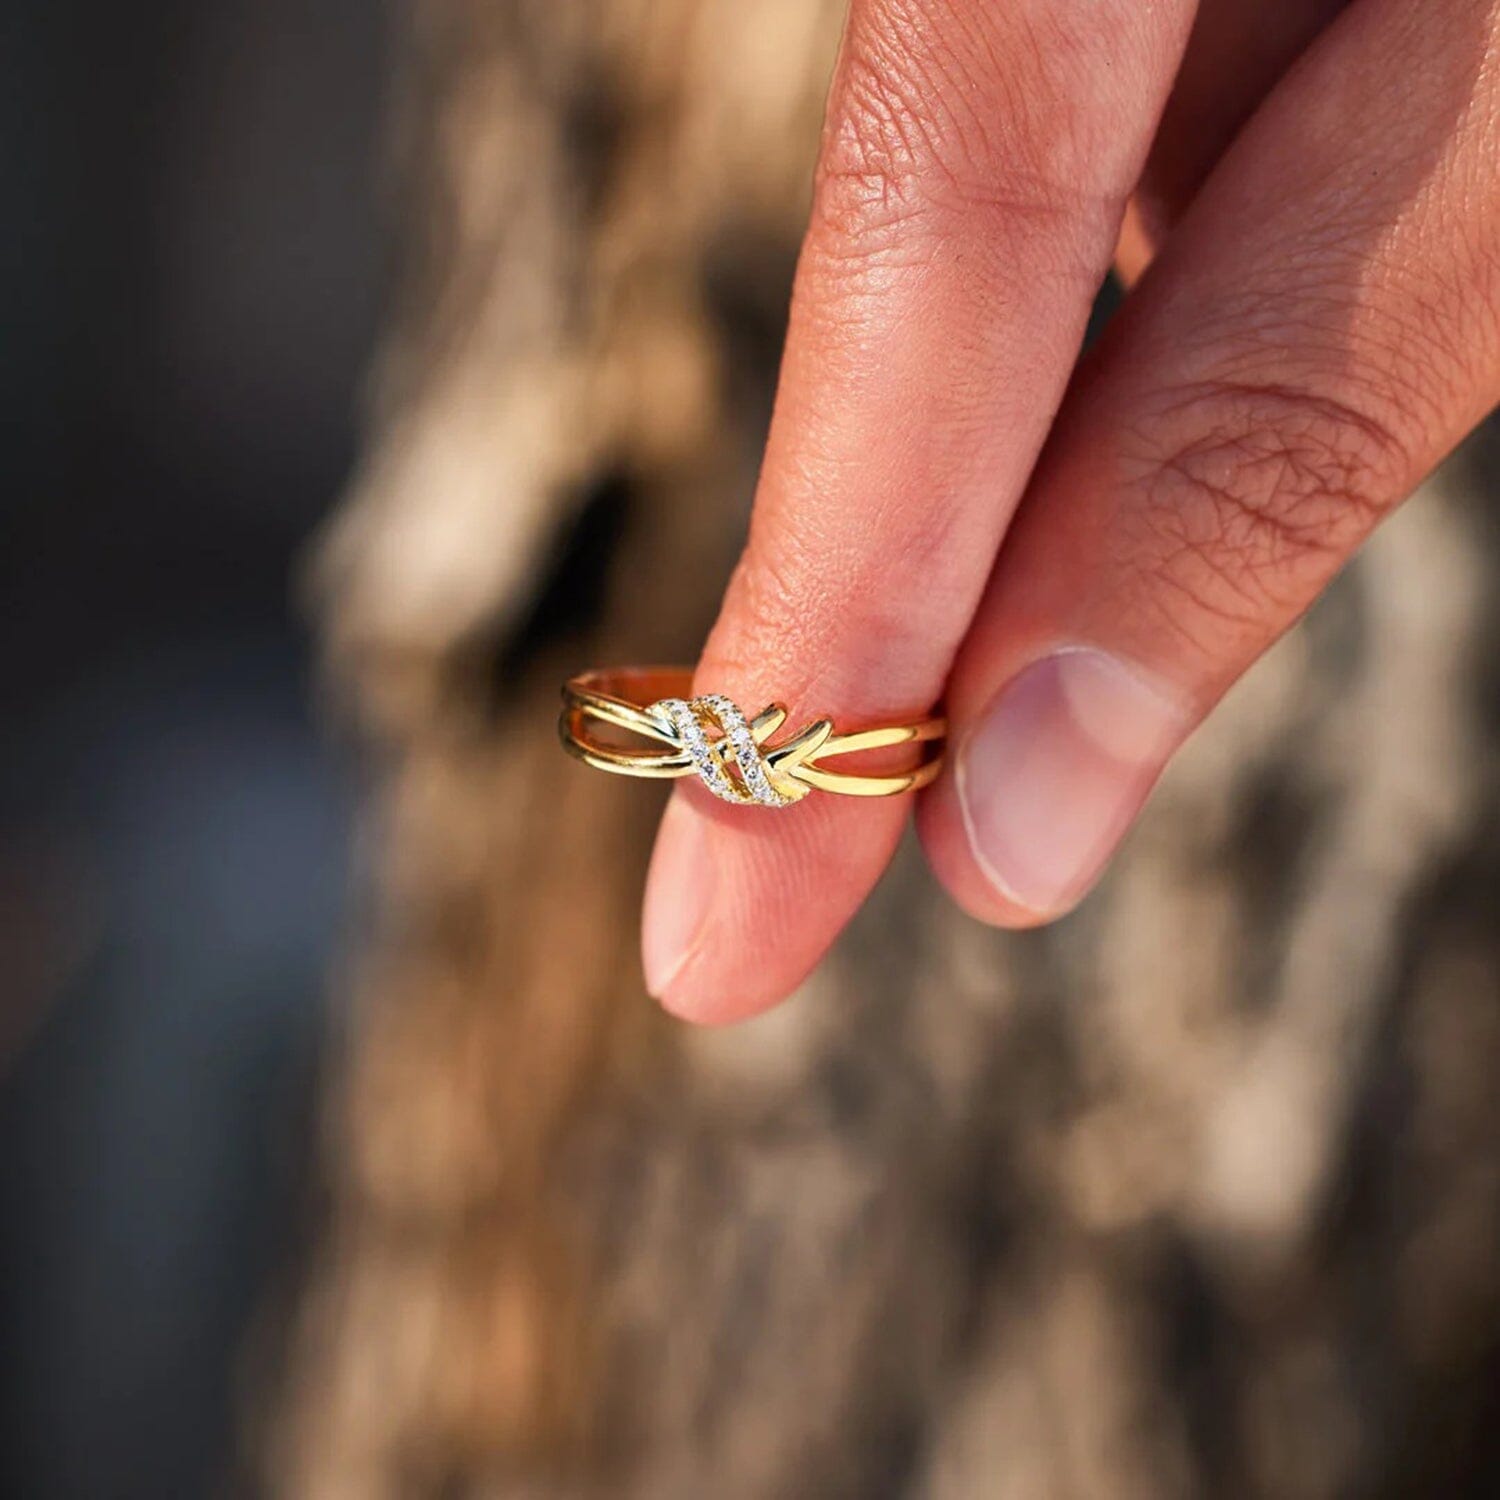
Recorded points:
(708, 736)
(732, 765)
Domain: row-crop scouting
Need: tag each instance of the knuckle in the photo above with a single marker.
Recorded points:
(773, 599)
(940, 127)
(799, 619)
(765, 597)
(1251, 495)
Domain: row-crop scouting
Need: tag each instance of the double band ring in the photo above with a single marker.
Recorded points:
(731, 753)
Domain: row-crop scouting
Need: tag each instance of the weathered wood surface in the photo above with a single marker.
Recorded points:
(1196, 1193)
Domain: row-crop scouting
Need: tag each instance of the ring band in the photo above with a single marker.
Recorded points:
(730, 753)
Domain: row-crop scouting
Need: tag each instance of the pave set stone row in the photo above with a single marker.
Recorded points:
(690, 721)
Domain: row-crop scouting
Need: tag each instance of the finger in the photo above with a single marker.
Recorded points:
(1236, 54)
(1319, 331)
(973, 169)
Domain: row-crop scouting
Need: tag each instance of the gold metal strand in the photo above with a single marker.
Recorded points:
(708, 736)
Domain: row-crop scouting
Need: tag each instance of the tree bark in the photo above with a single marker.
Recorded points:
(1195, 1193)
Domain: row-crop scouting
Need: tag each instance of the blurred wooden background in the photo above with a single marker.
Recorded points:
(1196, 1193)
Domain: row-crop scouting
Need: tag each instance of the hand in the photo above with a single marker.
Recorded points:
(1079, 561)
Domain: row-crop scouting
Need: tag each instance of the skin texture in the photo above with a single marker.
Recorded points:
(1079, 562)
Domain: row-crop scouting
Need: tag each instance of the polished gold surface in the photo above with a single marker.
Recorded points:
(731, 753)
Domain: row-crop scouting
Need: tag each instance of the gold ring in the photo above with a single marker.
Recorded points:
(730, 753)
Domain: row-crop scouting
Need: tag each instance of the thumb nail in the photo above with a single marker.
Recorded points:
(1051, 776)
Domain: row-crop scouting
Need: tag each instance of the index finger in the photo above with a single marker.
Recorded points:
(972, 175)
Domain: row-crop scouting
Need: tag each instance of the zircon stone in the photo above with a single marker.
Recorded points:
(689, 722)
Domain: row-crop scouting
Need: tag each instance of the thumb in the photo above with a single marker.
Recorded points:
(1292, 365)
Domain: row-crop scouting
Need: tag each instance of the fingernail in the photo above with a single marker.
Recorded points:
(678, 892)
(1051, 776)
